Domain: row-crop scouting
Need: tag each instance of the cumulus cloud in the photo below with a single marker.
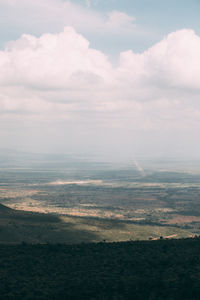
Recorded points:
(59, 60)
(66, 63)
(53, 61)
(173, 62)
(59, 78)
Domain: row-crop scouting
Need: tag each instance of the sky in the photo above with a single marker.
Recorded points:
(110, 77)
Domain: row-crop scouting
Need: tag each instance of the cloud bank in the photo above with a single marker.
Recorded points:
(59, 83)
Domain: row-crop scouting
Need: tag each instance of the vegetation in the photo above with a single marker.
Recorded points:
(164, 269)
(21, 226)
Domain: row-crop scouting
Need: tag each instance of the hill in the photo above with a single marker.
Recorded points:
(18, 226)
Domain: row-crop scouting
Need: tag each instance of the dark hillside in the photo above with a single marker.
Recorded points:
(17, 226)
(164, 269)
(4, 209)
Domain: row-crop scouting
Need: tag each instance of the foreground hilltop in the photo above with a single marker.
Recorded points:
(164, 269)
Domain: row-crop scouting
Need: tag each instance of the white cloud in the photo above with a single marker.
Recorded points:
(54, 15)
(64, 63)
(120, 21)
(173, 62)
(60, 80)
(52, 61)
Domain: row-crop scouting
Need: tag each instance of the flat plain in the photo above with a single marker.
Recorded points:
(57, 199)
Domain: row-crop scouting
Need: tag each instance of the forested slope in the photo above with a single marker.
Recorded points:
(164, 269)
